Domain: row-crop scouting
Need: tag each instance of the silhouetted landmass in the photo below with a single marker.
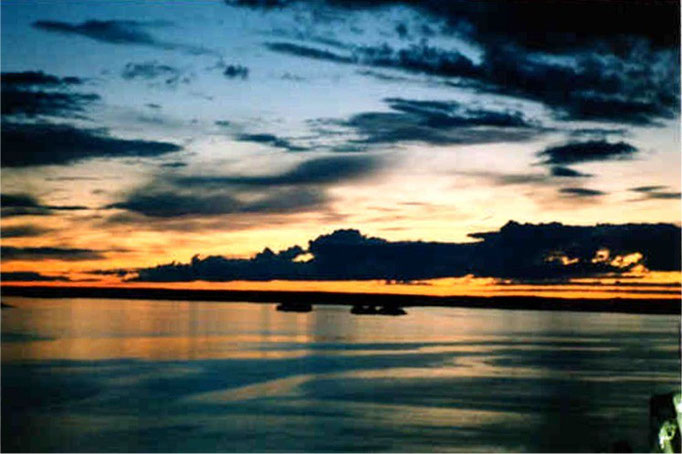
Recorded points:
(623, 305)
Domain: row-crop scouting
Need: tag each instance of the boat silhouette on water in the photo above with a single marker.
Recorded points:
(295, 307)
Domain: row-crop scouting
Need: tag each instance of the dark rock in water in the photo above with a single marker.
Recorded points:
(392, 310)
(295, 307)
(363, 309)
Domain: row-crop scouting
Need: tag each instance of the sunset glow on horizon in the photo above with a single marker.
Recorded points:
(339, 147)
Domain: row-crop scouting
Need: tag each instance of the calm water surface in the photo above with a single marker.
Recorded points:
(132, 375)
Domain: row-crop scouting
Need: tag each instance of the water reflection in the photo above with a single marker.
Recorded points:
(110, 375)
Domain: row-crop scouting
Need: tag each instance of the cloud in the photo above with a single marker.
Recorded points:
(27, 276)
(174, 203)
(299, 189)
(567, 25)
(581, 192)
(516, 251)
(30, 144)
(655, 193)
(648, 188)
(119, 32)
(272, 140)
(10, 253)
(27, 205)
(585, 86)
(153, 70)
(668, 195)
(594, 150)
(623, 72)
(439, 123)
(566, 172)
(420, 58)
(120, 272)
(174, 164)
(317, 171)
(308, 52)
(35, 93)
(236, 71)
(22, 231)
(35, 103)
(33, 79)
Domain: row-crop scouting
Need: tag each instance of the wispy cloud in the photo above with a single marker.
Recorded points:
(35, 93)
(439, 123)
(272, 140)
(154, 71)
(42, 143)
(119, 32)
(30, 276)
(657, 192)
(23, 231)
(300, 189)
(19, 204)
(581, 192)
(11, 253)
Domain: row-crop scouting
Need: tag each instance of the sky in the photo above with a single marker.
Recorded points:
(435, 147)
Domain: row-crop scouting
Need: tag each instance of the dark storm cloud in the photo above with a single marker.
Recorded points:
(563, 24)
(272, 140)
(585, 87)
(27, 276)
(35, 93)
(594, 150)
(23, 231)
(9, 253)
(523, 252)
(120, 32)
(27, 205)
(30, 144)
(581, 192)
(589, 86)
(606, 65)
(439, 123)
(566, 172)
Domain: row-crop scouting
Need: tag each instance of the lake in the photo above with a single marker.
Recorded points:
(135, 375)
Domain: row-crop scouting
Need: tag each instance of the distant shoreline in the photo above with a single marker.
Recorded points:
(616, 305)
